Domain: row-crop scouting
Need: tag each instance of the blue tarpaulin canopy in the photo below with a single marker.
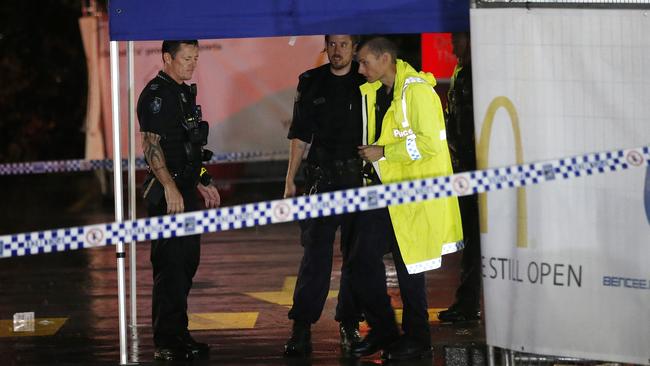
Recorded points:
(134, 20)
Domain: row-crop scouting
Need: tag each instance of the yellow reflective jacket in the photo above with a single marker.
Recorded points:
(415, 147)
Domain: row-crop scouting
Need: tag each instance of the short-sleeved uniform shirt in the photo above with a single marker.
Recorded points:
(161, 109)
(327, 113)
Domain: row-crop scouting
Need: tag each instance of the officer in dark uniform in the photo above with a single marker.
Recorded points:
(327, 115)
(460, 136)
(173, 136)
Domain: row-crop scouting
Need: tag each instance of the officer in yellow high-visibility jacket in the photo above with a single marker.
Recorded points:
(405, 139)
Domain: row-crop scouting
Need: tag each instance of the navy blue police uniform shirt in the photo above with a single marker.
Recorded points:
(161, 109)
(327, 112)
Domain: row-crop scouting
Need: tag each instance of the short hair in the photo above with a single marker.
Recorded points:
(355, 38)
(172, 47)
(380, 45)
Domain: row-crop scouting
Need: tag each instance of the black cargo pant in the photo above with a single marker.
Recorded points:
(174, 262)
(374, 239)
(313, 284)
(468, 294)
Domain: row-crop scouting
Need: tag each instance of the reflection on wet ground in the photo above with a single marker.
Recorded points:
(239, 300)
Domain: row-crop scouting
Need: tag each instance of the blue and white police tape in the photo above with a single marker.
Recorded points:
(321, 205)
(80, 165)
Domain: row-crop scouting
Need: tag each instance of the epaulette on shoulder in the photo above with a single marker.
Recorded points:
(315, 72)
(305, 75)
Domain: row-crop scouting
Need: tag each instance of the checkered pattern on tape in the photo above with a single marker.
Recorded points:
(328, 203)
(351, 200)
(41, 167)
(143, 229)
(248, 156)
(505, 177)
(590, 164)
(418, 190)
(54, 166)
(235, 217)
(42, 242)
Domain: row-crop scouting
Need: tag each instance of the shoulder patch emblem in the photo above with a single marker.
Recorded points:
(153, 87)
(156, 105)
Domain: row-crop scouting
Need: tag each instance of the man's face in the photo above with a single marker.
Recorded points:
(339, 51)
(371, 66)
(459, 43)
(181, 67)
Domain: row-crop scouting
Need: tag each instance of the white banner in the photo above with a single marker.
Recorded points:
(246, 87)
(566, 265)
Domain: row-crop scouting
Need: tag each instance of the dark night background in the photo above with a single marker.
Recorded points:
(43, 71)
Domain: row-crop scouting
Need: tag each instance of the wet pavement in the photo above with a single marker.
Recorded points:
(239, 301)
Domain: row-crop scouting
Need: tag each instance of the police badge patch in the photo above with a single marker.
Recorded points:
(156, 104)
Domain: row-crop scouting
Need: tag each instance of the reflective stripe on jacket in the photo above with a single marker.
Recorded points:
(415, 147)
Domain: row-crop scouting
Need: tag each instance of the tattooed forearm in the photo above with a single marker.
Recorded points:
(155, 157)
(152, 151)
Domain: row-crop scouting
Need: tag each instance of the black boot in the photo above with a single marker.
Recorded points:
(374, 342)
(407, 348)
(197, 349)
(166, 353)
(299, 345)
(349, 332)
(459, 314)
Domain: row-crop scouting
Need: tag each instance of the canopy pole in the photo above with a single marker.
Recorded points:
(117, 192)
(490, 356)
(133, 294)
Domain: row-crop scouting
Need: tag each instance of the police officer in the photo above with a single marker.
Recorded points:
(172, 139)
(460, 135)
(327, 115)
(405, 141)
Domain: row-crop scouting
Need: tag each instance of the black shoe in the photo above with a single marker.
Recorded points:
(373, 343)
(408, 349)
(172, 354)
(197, 349)
(456, 314)
(349, 332)
(299, 345)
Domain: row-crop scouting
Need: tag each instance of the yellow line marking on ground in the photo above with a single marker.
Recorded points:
(205, 321)
(284, 296)
(433, 314)
(42, 327)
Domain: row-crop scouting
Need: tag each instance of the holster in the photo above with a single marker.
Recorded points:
(334, 174)
(152, 190)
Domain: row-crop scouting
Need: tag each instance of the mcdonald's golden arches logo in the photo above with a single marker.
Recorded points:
(482, 163)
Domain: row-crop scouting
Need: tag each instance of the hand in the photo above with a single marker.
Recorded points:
(210, 195)
(371, 153)
(174, 199)
(289, 189)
